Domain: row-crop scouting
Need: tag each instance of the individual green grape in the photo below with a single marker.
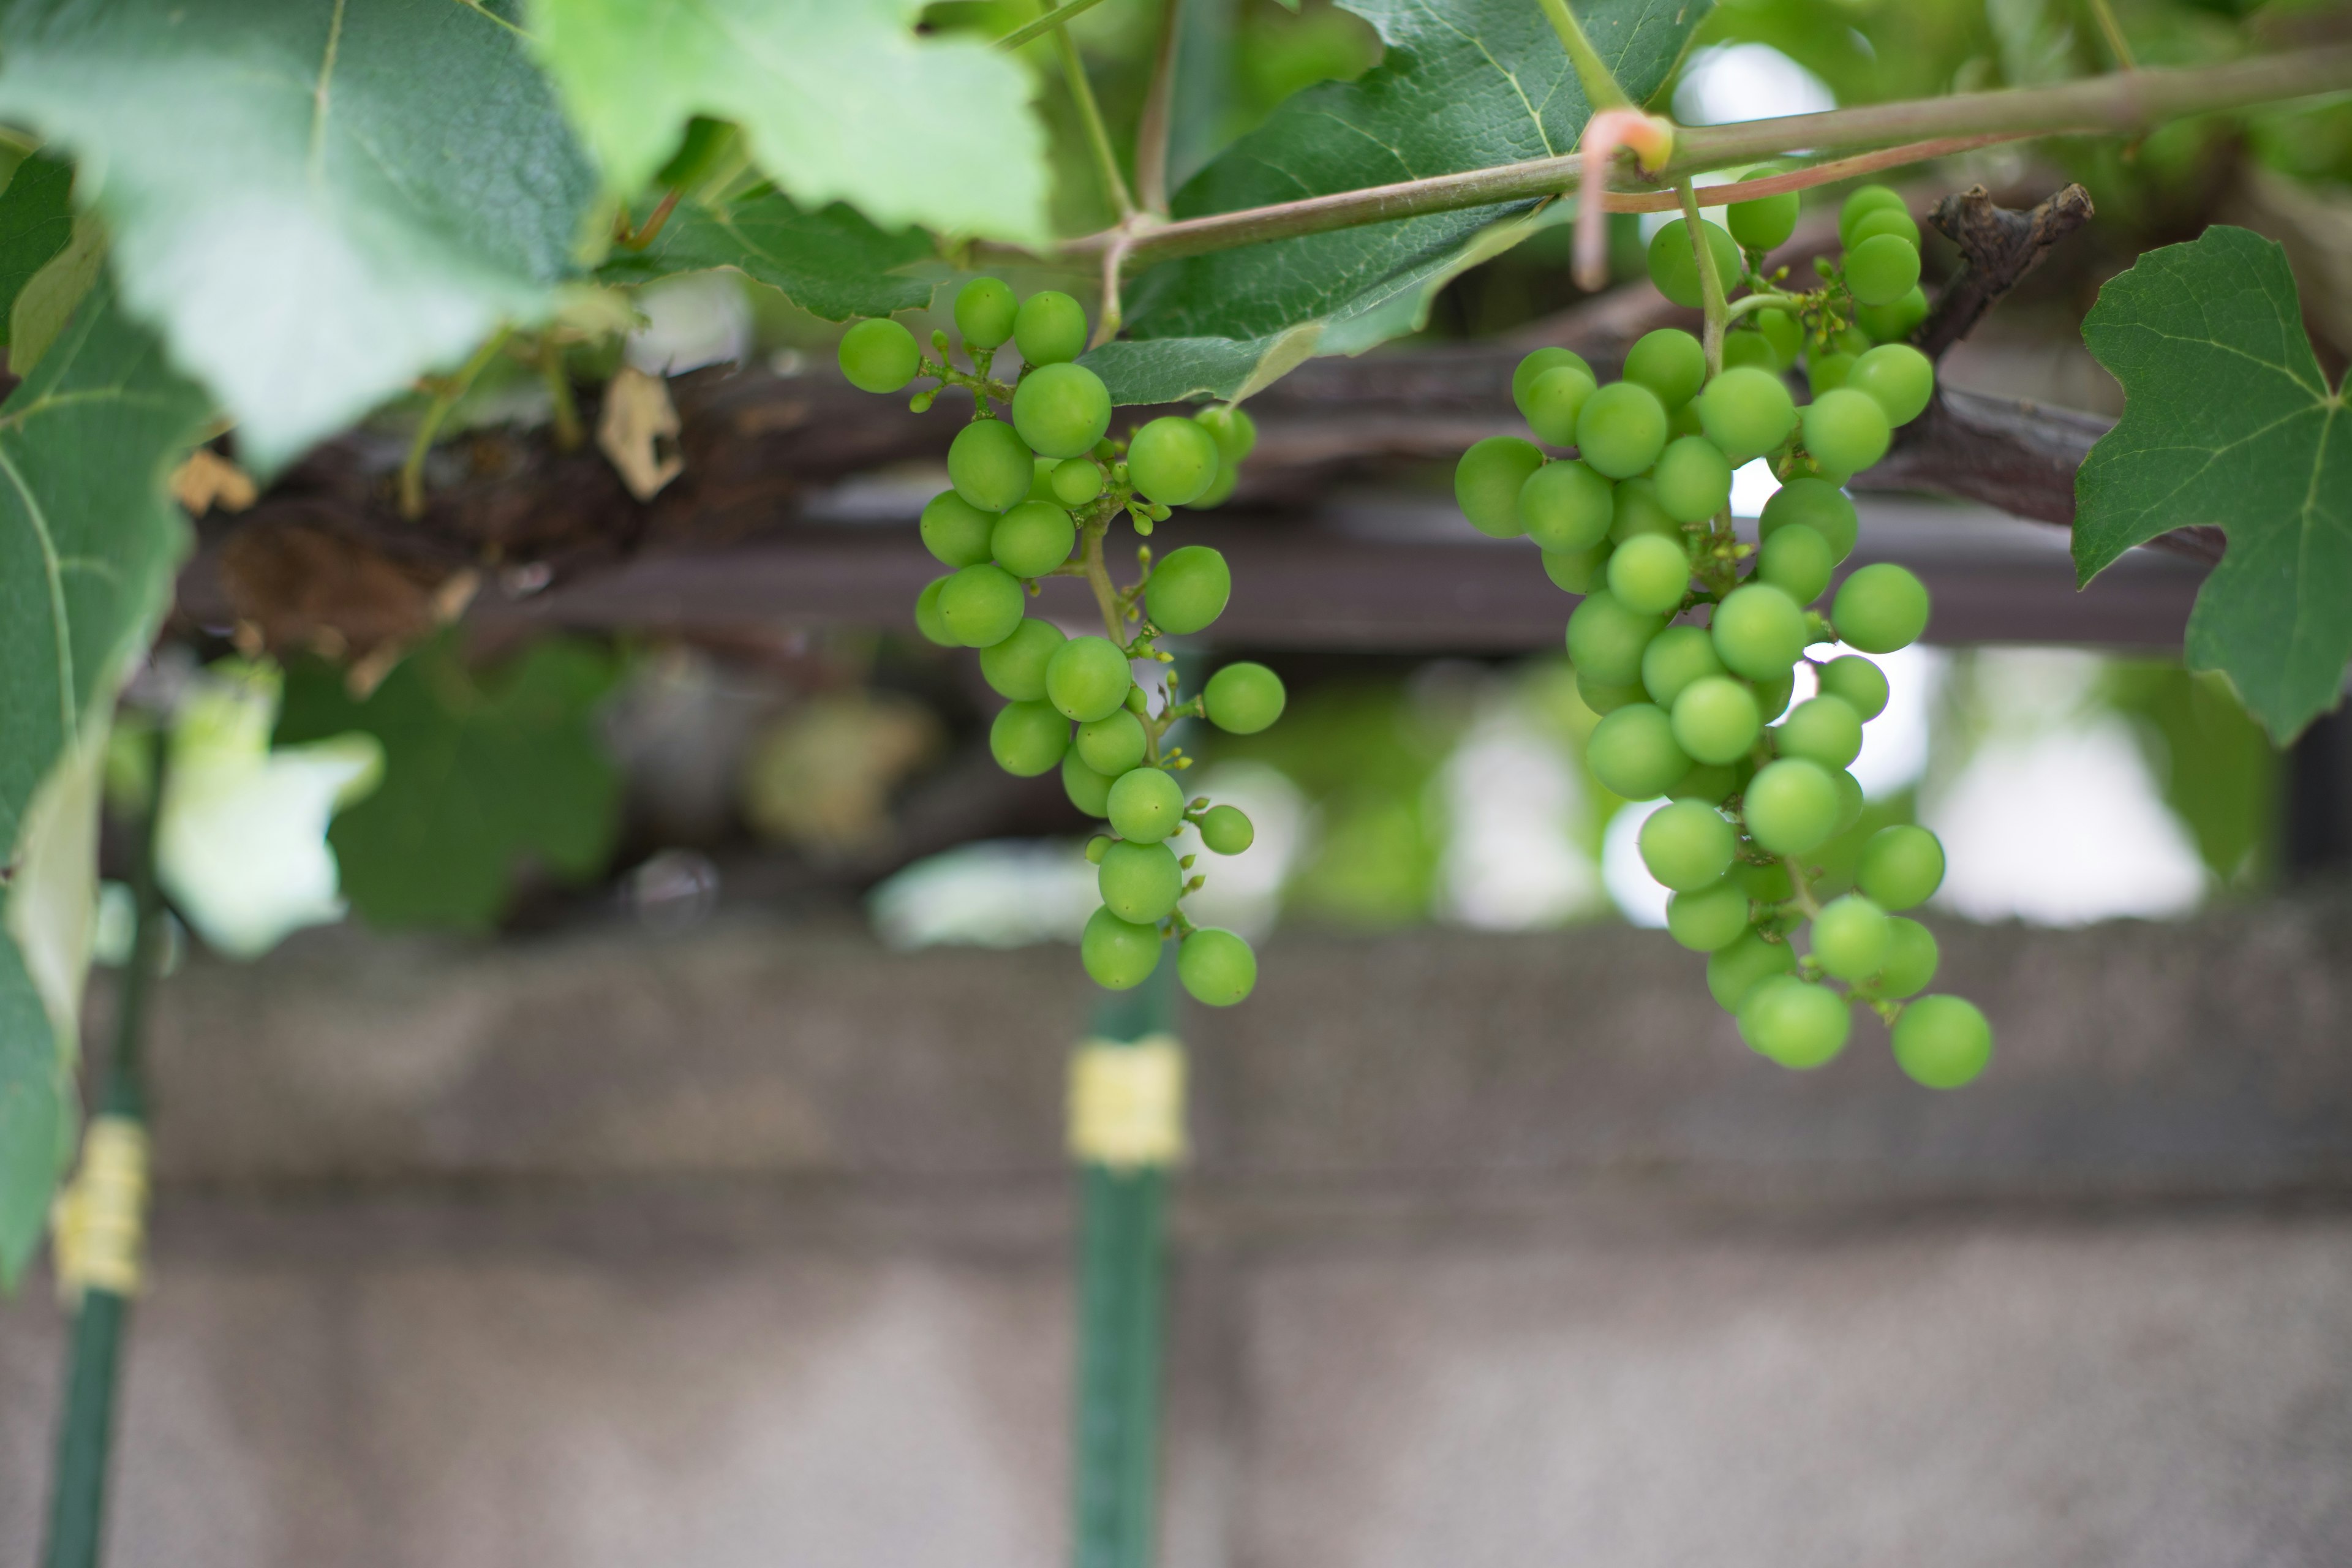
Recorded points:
(1859, 683)
(1147, 804)
(1523, 378)
(1119, 955)
(1880, 608)
(1670, 362)
(1766, 222)
(1901, 866)
(1899, 376)
(1622, 430)
(1860, 203)
(1674, 266)
(1797, 561)
(981, 605)
(1882, 270)
(1783, 331)
(1792, 806)
(1173, 460)
(1233, 431)
(1850, 938)
(1635, 508)
(1735, 971)
(1100, 841)
(955, 531)
(1851, 341)
(1567, 507)
(1687, 845)
(1033, 538)
(1710, 782)
(1772, 695)
(1076, 480)
(1061, 410)
(1745, 346)
(1827, 372)
(1767, 882)
(1028, 738)
(1243, 699)
(1139, 882)
(1015, 667)
(1606, 637)
(1909, 965)
(1882, 220)
(1851, 800)
(1892, 323)
(1221, 489)
(1049, 328)
(984, 311)
(879, 355)
(1846, 429)
(1942, 1042)
(1487, 481)
(1708, 917)
(928, 620)
(1649, 574)
(989, 466)
(1604, 698)
(1693, 479)
(1226, 829)
(1554, 402)
(1785, 1020)
(1087, 677)
(1578, 571)
(1112, 744)
(1759, 631)
(1684, 421)
(1823, 729)
(1088, 790)
(1675, 658)
(1633, 752)
(1188, 589)
(1816, 504)
(1746, 412)
(1216, 967)
(1041, 481)
(1714, 720)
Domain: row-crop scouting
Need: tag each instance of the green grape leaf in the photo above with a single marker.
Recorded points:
(1464, 84)
(88, 542)
(839, 101)
(2228, 421)
(481, 772)
(832, 264)
(313, 204)
(35, 222)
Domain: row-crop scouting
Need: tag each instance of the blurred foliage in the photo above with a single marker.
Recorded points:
(2216, 771)
(820, 776)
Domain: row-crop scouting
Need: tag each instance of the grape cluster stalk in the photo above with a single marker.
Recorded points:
(1033, 494)
(1638, 520)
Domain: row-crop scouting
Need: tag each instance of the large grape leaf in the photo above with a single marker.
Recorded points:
(1464, 84)
(35, 222)
(839, 99)
(2228, 421)
(831, 263)
(313, 202)
(89, 542)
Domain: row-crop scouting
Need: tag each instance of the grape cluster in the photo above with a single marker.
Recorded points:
(1035, 496)
(1639, 523)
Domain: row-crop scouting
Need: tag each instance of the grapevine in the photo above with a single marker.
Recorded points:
(1034, 493)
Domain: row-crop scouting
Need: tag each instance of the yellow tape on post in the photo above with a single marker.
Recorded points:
(1126, 1102)
(98, 1223)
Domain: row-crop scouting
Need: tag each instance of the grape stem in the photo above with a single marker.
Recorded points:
(447, 392)
(1711, 282)
(1039, 26)
(1091, 117)
(1765, 300)
(1802, 896)
(1151, 127)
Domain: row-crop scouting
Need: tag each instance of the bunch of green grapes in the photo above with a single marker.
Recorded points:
(1033, 495)
(1638, 522)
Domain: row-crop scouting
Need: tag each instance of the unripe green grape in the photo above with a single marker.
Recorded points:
(1221, 489)
(981, 605)
(1892, 323)
(1147, 804)
(1688, 844)
(1670, 362)
(1901, 377)
(1243, 699)
(1633, 752)
(1684, 421)
(1636, 509)
(1851, 800)
(1772, 695)
(928, 620)
(1028, 738)
(1693, 479)
(1909, 965)
(1850, 938)
(1088, 790)
(990, 464)
(1766, 222)
(1882, 220)
(1714, 720)
(955, 531)
(1112, 744)
(1088, 678)
(1882, 270)
(1735, 971)
(1622, 430)
(1139, 882)
(1797, 561)
(1851, 341)
(1173, 460)
(1746, 413)
(1674, 267)
(1744, 347)
(1790, 806)
(1823, 729)
(1050, 327)
(879, 355)
(1216, 967)
(1816, 504)
(1708, 917)
(1076, 480)
(984, 311)
(1033, 538)
(1846, 429)
(1567, 507)
(1785, 1020)
(1827, 372)
(1901, 866)
(1554, 402)
(1487, 481)
(1675, 658)
(1523, 378)
(1710, 782)
(1606, 637)
(1759, 631)
(1233, 431)
(1942, 1042)
(1649, 574)
(1015, 667)
(1783, 331)
(1604, 698)
(1226, 829)
(1041, 481)
(1880, 608)
(1864, 201)
(1119, 955)
(1861, 684)
(1767, 883)
(1188, 589)
(1061, 410)
(1578, 571)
